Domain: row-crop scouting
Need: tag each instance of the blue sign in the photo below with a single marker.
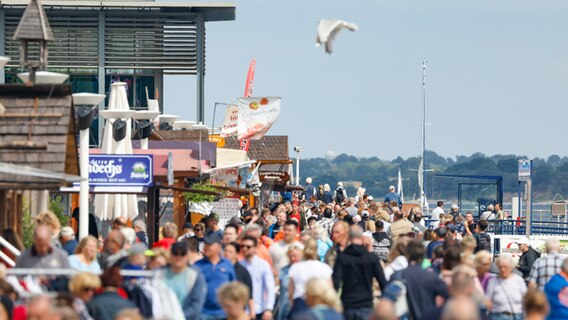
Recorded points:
(121, 170)
(525, 167)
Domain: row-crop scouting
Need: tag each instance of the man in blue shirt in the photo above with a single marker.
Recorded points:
(263, 287)
(393, 196)
(217, 272)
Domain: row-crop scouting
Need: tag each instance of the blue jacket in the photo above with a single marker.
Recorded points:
(393, 196)
(553, 288)
(215, 276)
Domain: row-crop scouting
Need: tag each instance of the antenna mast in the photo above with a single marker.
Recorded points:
(421, 177)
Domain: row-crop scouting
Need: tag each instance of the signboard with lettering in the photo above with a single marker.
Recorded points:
(525, 167)
(120, 170)
(277, 177)
(217, 139)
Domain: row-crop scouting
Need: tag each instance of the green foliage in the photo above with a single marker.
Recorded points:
(198, 197)
(27, 225)
(549, 175)
(56, 206)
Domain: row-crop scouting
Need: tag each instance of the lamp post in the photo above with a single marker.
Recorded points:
(86, 104)
(145, 126)
(298, 151)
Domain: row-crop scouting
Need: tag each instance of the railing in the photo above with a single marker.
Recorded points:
(10, 248)
(518, 227)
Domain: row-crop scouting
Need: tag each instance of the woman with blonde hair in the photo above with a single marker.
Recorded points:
(49, 219)
(302, 272)
(85, 257)
(468, 244)
(323, 300)
(83, 286)
(233, 297)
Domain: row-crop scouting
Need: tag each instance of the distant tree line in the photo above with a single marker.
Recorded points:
(550, 176)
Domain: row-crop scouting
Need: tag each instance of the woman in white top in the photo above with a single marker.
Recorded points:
(506, 292)
(302, 272)
(85, 257)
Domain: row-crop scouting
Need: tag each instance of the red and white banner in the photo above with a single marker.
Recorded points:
(245, 144)
(230, 122)
(256, 116)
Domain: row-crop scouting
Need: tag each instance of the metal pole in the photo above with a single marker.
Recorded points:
(529, 208)
(200, 66)
(84, 184)
(144, 144)
(297, 168)
(101, 73)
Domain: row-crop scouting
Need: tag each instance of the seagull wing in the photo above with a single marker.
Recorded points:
(328, 29)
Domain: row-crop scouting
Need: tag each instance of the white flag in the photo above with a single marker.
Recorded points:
(230, 122)
(256, 116)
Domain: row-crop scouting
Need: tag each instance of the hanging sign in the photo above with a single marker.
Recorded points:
(121, 170)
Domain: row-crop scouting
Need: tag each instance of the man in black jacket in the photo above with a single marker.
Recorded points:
(528, 257)
(353, 272)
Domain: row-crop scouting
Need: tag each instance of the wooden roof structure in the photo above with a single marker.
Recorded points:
(180, 135)
(34, 24)
(267, 148)
(37, 130)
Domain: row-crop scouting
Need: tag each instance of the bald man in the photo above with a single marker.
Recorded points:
(114, 252)
(42, 254)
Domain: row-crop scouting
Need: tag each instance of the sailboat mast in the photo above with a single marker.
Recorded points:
(423, 146)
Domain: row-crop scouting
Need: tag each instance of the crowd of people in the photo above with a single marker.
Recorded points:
(310, 257)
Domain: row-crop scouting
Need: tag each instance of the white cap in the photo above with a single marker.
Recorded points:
(391, 188)
(67, 232)
(455, 206)
(308, 180)
(523, 240)
(357, 219)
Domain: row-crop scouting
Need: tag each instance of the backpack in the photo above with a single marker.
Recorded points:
(483, 242)
(396, 292)
(339, 197)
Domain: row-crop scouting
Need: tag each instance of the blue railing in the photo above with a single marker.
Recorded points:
(518, 227)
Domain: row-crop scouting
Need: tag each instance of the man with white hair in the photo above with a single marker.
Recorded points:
(488, 213)
(67, 239)
(544, 268)
(310, 190)
(393, 196)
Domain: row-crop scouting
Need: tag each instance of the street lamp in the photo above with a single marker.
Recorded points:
(298, 150)
(86, 104)
(144, 125)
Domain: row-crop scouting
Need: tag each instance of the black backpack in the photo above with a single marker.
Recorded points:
(483, 242)
(339, 197)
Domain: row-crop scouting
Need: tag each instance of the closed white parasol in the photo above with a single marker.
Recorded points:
(111, 206)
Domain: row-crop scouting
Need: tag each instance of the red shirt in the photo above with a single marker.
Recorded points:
(165, 243)
(296, 215)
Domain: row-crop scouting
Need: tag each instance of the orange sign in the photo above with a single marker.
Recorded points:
(216, 138)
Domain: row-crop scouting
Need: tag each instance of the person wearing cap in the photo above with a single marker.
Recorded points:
(213, 225)
(263, 286)
(353, 274)
(393, 196)
(217, 271)
(528, 256)
(454, 210)
(67, 240)
(188, 283)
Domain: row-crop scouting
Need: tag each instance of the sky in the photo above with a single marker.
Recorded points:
(497, 75)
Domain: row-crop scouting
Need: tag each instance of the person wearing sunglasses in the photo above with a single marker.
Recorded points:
(187, 282)
(263, 286)
(83, 286)
(199, 230)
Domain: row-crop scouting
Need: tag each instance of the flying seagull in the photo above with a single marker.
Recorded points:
(327, 29)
